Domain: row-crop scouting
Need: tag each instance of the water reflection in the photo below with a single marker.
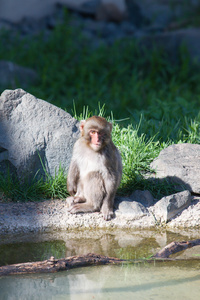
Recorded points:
(107, 282)
(29, 251)
(142, 281)
(125, 244)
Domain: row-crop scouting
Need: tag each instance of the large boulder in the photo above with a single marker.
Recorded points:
(34, 133)
(181, 164)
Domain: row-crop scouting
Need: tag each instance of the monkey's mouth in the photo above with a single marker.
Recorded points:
(96, 146)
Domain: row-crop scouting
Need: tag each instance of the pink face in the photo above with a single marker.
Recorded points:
(96, 139)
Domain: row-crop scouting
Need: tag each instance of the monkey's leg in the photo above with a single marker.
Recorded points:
(107, 206)
(94, 192)
(79, 200)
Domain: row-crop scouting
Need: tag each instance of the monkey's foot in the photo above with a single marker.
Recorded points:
(107, 214)
(74, 208)
(81, 208)
(78, 207)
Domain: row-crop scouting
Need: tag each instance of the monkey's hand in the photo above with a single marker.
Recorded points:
(70, 201)
(73, 200)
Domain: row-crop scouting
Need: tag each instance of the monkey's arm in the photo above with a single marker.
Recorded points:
(72, 178)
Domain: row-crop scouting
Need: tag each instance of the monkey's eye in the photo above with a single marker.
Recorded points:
(92, 132)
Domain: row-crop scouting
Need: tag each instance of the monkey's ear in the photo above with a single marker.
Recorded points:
(82, 124)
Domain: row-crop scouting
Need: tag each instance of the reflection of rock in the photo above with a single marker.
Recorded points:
(129, 240)
(82, 246)
(161, 239)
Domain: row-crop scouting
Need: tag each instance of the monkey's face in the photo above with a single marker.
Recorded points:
(97, 139)
(96, 131)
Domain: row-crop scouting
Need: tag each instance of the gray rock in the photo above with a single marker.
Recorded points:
(168, 207)
(129, 208)
(135, 14)
(172, 41)
(158, 13)
(87, 7)
(3, 154)
(161, 13)
(112, 10)
(128, 28)
(6, 25)
(13, 75)
(143, 197)
(94, 26)
(181, 164)
(32, 129)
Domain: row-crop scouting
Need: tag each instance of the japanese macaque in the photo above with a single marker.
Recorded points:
(95, 170)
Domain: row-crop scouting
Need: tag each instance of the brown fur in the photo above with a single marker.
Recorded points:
(94, 173)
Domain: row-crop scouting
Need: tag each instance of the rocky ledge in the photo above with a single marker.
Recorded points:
(52, 214)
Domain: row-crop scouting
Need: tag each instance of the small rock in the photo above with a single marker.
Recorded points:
(168, 207)
(130, 208)
(143, 197)
(127, 27)
(135, 14)
(112, 10)
(84, 7)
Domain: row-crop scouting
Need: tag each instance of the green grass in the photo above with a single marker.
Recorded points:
(153, 101)
(50, 187)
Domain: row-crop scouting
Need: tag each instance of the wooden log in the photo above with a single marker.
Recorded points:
(175, 247)
(55, 265)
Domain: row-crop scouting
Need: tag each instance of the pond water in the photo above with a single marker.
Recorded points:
(149, 282)
(159, 280)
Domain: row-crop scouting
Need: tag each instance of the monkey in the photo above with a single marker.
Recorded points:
(95, 170)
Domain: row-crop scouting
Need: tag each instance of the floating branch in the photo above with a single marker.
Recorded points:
(175, 247)
(55, 265)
